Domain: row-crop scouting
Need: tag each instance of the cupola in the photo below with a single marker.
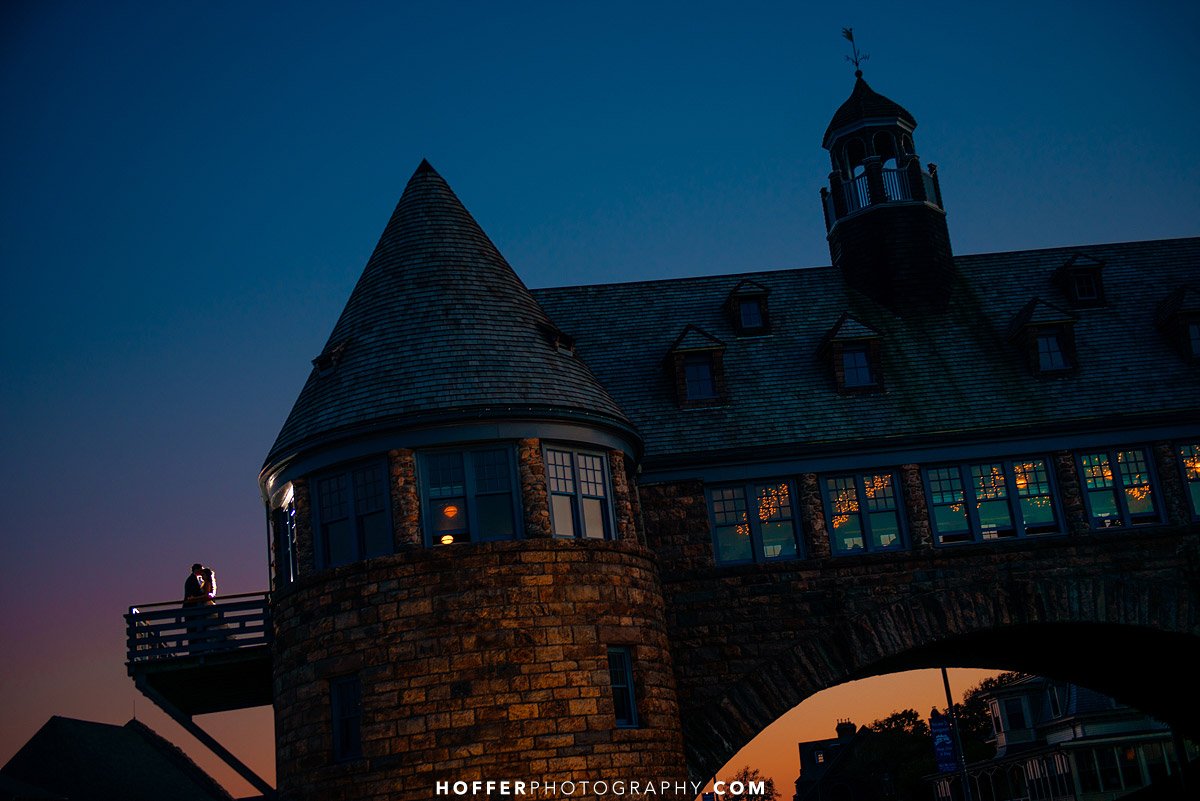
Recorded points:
(883, 213)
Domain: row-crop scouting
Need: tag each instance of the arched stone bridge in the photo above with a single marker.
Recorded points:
(1116, 611)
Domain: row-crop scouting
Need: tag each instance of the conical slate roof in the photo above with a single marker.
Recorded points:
(439, 326)
(865, 103)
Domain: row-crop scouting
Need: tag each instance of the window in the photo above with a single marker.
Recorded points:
(750, 314)
(1189, 458)
(699, 377)
(769, 533)
(345, 703)
(1082, 280)
(991, 500)
(1050, 354)
(352, 513)
(578, 485)
(1014, 713)
(469, 496)
(856, 367)
(1053, 701)
(1194, 338)
(747, 307)
(620, 671)
(820, 757)
(1121, 497)
(863, 511)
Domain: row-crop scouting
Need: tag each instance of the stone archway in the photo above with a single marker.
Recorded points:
(1068, 629)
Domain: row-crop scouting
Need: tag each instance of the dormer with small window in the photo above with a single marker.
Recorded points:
(1178, 318)
(696, 365)
(747, 307)
(854, 352)
(1081, 279)
(1046, 336)
(331, 357)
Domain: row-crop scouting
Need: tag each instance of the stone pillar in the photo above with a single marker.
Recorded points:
(535, 498)
(1071, 493)
(812, 517)
(625, 525)
(1174, 494)
(406, 503)
(920, 528)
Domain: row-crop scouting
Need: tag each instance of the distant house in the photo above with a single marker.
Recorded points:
(78, 760)
(1056, 740)
(823, 769)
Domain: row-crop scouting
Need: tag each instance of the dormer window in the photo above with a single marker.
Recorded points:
(1081, 279)
(747, 305)
(1179, 320)
(1051, 357)
(699, 377)
(1046, 334)
(695, 363)
(856, 367)
(331, 357)
(854, 351)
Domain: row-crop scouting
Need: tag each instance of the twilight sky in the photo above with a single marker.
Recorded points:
(190, 190)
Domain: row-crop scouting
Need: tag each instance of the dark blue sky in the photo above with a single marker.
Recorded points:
(190, 191)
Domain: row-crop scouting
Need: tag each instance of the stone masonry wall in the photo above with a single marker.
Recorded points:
(486, 661)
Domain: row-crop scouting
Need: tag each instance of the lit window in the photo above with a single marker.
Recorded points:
(1189, 458)
(352, 515)
(820, 757)
(469, 496)
(856, 367)
(1121, 497)
(620, 671)
(578, 486)
(345, 703)
(1050, 355)
(766, 534)
(863, 511)
(991, 500)
(699, 377)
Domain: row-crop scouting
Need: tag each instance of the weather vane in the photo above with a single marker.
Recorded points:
(858, 58)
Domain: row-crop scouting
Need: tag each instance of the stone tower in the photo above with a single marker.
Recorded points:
(460, 587)
(884, 215)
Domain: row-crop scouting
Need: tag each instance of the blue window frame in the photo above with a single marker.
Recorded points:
(864, 512)
(991, 500)
(577, 482)
(352, 514)
(1119, 487)
(345, 707)
(1189, 461)
(469, 495)
(620, 671)
(753, 522)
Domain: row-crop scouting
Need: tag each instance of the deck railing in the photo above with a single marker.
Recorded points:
(167, 630)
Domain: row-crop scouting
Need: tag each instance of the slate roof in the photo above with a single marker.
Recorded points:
(439, 324)
(865, 103)
(84, 761)
(949, 374)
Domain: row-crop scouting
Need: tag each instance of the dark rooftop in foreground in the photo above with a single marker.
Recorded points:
(79, 760)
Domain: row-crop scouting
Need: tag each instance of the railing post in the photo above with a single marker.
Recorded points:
(876, 193)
